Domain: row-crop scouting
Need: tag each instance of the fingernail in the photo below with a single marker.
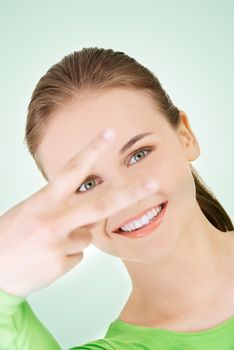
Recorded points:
(151, 184)
(107, 134)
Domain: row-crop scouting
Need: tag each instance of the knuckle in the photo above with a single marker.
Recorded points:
(78, 256)
(80, 238)
(83, 243)
(73, 163)
(87, 239)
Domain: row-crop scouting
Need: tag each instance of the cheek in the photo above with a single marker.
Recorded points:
(177, 185)
(170, 169)
(177, 180)
(182, 198)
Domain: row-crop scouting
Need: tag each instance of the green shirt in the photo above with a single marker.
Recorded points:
(20, 329)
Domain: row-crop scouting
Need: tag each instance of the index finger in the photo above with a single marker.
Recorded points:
(76, 169)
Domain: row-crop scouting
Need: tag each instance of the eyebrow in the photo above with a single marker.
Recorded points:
(132, 141)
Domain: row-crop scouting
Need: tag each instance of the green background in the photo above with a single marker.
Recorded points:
(188, 45)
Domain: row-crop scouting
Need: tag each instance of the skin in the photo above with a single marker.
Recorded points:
(182, 272)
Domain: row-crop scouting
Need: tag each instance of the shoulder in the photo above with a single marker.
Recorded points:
(99, 344)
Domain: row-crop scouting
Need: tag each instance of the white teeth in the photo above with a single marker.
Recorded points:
(144, 220)
(149, 215)
(138, 223)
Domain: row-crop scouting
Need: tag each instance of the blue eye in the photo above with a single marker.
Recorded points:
(136, 157)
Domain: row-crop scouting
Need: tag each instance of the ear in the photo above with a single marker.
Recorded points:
(187, 138)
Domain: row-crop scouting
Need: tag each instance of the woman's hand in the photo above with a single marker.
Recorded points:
(42, 238)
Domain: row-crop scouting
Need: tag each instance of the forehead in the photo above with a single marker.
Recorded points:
(71, 127)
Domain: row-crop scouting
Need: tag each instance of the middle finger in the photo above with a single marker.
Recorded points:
(105, 206)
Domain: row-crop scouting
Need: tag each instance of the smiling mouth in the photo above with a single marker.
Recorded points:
(118, 230)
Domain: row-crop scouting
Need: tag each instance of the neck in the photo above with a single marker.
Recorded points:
(191, 276)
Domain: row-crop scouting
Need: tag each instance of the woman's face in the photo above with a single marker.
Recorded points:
(163, 154)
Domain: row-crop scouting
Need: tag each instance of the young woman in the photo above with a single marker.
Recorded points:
(175, 239)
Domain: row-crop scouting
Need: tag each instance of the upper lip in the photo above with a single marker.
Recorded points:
(138, 216)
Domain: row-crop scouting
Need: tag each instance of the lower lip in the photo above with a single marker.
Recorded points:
(144, 231)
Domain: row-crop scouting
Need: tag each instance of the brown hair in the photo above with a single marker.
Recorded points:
(98, 69)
